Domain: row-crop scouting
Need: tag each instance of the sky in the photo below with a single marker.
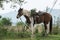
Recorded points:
(31, 4)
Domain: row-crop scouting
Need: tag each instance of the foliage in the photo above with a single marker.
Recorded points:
(24, 26)
(1, 23)
(0, 4)
(24, 34)
(5, 22)
(12, 34)
(3, 32)
(1, 0)
(14, 2)
(36, 31)
(19, 2)
(19, 23)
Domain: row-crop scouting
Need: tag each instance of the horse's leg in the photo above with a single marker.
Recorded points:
(45, 32)
(32, 24)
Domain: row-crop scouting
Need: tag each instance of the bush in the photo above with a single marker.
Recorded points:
(3, 32)
(11, 34)
(19, 23)
(36, 31)
(5, 22)
(24, 34)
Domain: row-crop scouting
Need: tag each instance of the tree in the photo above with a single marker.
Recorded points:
(5, 22)
(14, 2)
(1, 3)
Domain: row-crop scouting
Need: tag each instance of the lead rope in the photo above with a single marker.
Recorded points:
(25, 25)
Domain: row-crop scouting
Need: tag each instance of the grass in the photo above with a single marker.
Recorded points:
(49, 37)
(12, 35)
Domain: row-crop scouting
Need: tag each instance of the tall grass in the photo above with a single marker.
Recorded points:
(12, 33)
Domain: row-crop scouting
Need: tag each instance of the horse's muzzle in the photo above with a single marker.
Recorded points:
(17, 17)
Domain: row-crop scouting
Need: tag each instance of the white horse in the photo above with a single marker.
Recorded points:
(27, 14)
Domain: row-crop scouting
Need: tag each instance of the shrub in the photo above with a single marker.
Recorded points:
(5, 22)
(3, 32)
(24, 34)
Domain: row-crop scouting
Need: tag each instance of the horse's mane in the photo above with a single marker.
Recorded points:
(26, 12)
(27, 19)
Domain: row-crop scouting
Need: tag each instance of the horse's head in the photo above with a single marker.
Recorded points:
(20, 13)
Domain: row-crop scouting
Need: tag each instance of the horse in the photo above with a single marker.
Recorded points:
(38, 17)
(26, 15)
(44, 18)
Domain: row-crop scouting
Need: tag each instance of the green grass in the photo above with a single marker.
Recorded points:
(50, 37)
(13, 35)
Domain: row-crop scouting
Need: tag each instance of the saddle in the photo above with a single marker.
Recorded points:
(37, 17)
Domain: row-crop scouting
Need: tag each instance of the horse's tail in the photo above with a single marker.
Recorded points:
(51, 25)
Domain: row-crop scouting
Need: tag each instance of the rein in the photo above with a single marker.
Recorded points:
(25, 24)
(22, 21)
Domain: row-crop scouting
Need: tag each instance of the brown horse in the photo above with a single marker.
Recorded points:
(38, 17)
(43, 18)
